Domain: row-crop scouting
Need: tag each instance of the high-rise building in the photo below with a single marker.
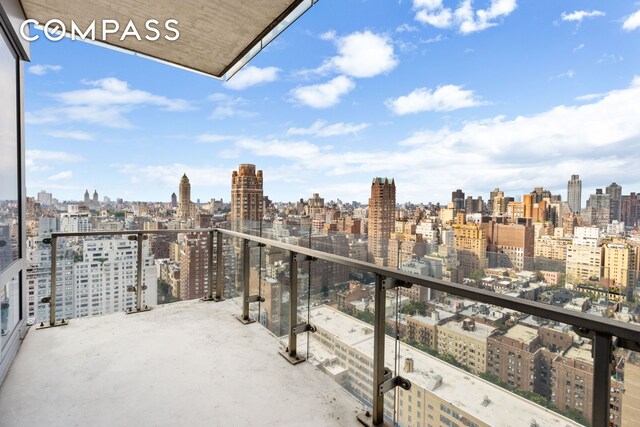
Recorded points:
(619, 267)
(470, 248)
(87, 199)
(615, 198)
(498, 202)
(94, 200)
(574, 194)
(629, 210)
(194, 253)
(457, 197)
(598, 210)
(44, 198)
(186, 208)
(174, 200)
(246, 195)
(382, 212)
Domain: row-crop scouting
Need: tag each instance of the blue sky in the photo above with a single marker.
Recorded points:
(439, 94)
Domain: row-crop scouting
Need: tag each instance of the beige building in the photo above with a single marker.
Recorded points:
(551, 247)
(246, 194)
(467, 342)
(619, 266)
(631, 400)
(584, 260)
(382, 208)
(186, 208)
(470, 247)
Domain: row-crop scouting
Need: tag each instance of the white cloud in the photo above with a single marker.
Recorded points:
(61, 176)
(579, 15)
(579, 47)
(406, 28)
(106, 103)
(229, 107)
(168, 176)
(435, 39)
(77, 135)
(323, 95)
(213, 138)
(42, 160)
(42, 69)
(568, 74)
(444, 98)
(360, 54)
(322, 129)
(598, 138)
(465, 18)
(632, 21)
(252, 76)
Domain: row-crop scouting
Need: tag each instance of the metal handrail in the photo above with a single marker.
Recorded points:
(600, 330)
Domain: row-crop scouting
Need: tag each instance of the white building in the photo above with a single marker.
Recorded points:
(108, 268)
(95, 286)
(79, 222)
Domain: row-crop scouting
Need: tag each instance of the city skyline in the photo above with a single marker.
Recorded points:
(563, 193)
(438, 105)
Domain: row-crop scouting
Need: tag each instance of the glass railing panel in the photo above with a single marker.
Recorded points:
(9, 309)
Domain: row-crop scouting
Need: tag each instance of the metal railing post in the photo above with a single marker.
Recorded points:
(209, 296)
(54, 279)
(378, 351)
(293, 305)
(139, 274)
(295, 328)
(139, 287)
(602, 358)
(51, 299)
(246, 279)
(219, 268)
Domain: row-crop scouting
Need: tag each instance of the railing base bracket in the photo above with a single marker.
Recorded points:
(294, 360)
(133, 310)
(245, 321)
(48, 325)
(367, 420)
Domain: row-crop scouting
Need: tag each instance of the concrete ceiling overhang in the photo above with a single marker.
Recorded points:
(216, 37)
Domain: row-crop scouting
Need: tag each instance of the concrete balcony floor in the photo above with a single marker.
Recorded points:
(182, 364)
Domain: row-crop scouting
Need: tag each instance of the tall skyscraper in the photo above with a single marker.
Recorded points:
(457, 197)
(174, 200)
(246, 194)
(186, 209)
(382, 212)
(615, 197)
(194, 253)
(574, 194)
(45, 199)
(629, 209)
(95, 200)
(87, 199)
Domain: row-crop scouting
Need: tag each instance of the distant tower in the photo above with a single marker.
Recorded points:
(87, 199)
(186, 209)
(574, 194)
(95, 198)
(246, 194)
(382, 216)
(174, 200)
(615, 194)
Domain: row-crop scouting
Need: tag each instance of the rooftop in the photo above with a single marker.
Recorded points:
(459, 387)
(480, 331)
(522, 333)
(193, 362)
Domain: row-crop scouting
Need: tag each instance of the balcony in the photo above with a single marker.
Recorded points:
(196, 354)
(186, 363)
